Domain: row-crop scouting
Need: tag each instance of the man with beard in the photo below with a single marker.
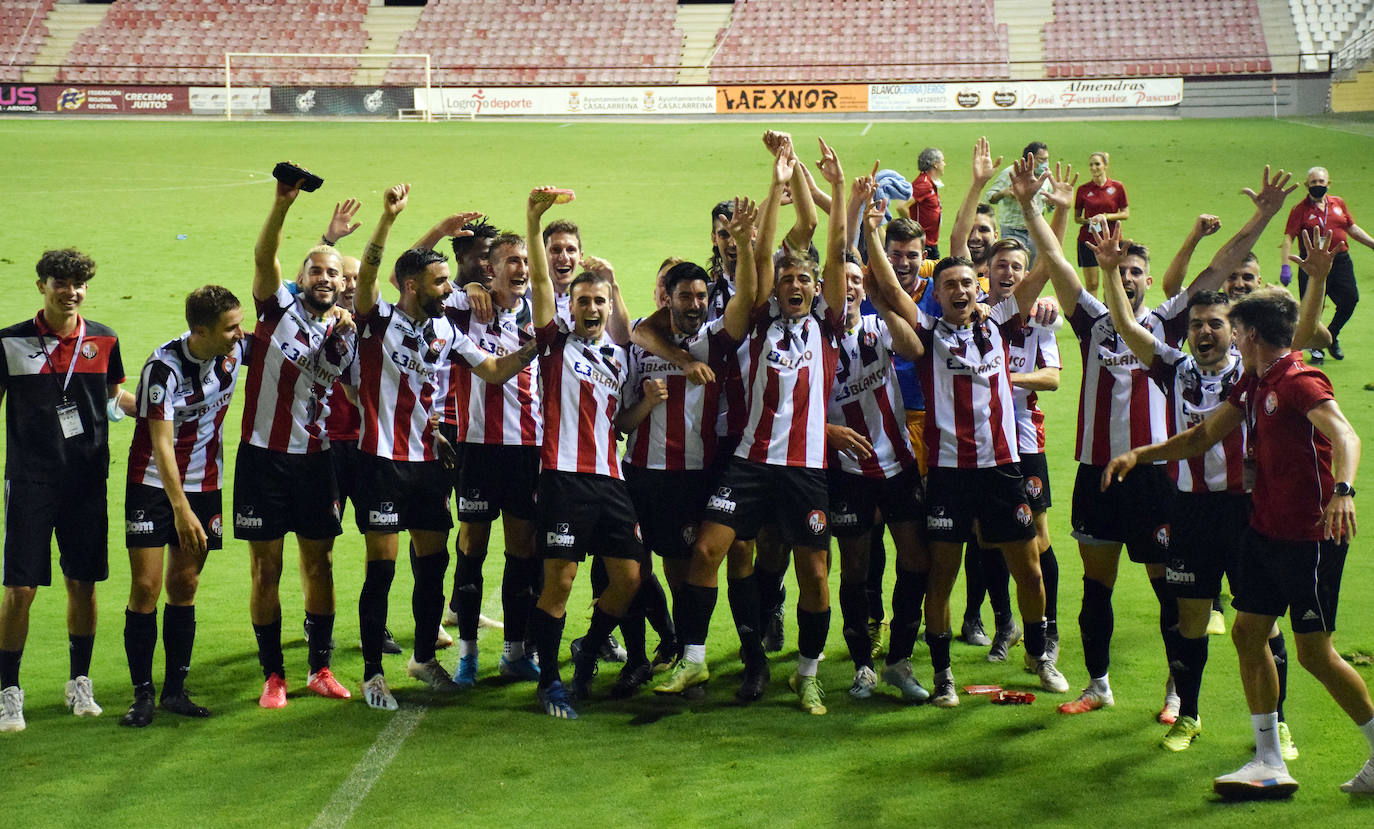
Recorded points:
(404, 486)
(284, 479)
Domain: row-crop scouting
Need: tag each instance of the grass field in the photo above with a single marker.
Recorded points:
(166, 207)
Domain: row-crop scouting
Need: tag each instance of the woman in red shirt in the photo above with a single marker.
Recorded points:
(1096, 204)
(924, 207)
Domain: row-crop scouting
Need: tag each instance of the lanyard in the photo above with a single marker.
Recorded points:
(76, 354)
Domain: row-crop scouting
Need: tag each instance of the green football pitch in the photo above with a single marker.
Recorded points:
(165, 207)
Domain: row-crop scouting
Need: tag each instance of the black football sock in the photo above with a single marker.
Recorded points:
(269, 649)
(974, 588)
(517, 596)
(768, 584)
(907, 595)
(743, 595)
(178, 640)
(467, 595)
(1049, 573)
(79, 654)
(656, 611)
(9, 668)
(372, 610)
(877, 564)
(599, 628)
(427, 601)
(812, 626)
(1168, 618)
(698, 605)
(547, 633)
(995, 581)
(1095, 624)
(939, 649)
(600, 578)
(854, 623)
(140, 640)
(1190, 657)
(1035, 638)
(632, 627)
(1280, 651)
(319, 632)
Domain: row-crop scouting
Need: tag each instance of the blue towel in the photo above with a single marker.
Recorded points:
(893, 187)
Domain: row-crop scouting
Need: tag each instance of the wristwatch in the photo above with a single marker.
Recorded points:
(1343, 489)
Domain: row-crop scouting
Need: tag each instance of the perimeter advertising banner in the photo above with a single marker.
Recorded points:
(18, 97)
(209, 100)
(839, 97)
(563, 100)
(1022, 95)
(110, 99)
(340, 100)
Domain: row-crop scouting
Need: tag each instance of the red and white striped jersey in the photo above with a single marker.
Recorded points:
(1030, 348)
(344, 419)
(866, 399)
(397, 373)
(293, 362)
(194, 395)
(791, 375)
(1192, 395)
(1119, 407)
(970, 414)
(680, 432)
(582, 387)
(508, 414)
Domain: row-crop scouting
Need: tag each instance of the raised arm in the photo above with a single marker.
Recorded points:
(341, 222)
(1205, 225)
(1111, 252)
(799, 237)
(741, 305)
(448, 226)
(984, 169)
(1186, 444)
(768, 228)
(1060, 195)
(393, 202)
(883, 288)
(266, 267)
(543, 304)
(1318, 267)
(904, 339)
(860, 197)
(1268, 201)
(1024, 185)
(833, 273)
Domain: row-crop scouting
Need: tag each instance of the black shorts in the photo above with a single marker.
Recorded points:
(1036, 471)
(1205, 533)
(402, 495)
(752, 494)
(148, 519)
(854, 499)
(496, 479)
(725, 451)
(1086, 257)
(582, 514)
(276, 493)
(449, 432)
(669, 504)
(1134, 512)
(76, 511)
(1300, 577)
(994, 497)
(344, 455)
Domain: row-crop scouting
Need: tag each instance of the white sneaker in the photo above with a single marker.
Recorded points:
(1255, 780)
(450, 617)
(1050, 677)
(865, 680)
(1362, 783)
(378, 694)
(432, 674)
(444, 639)
(12, 709)
(81, 697)
(945, 694)
(485, 621)
(899, 676)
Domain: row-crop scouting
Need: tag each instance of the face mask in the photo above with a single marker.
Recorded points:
(1040, 169)
(1316, 191)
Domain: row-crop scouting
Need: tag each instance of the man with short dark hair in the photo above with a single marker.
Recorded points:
(172, 497)
(1000, 195)
(61, 373)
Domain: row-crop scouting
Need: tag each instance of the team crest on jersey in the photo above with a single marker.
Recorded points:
(228, 363)
(1034, 486)
(437, 346)
(1162, 536)
(689, 534)
(1023, 514)
(156, 393)
(871, 339)
(816, 521)
(1271, 403)
(1111, 190)
(90, 350)
(217, 526)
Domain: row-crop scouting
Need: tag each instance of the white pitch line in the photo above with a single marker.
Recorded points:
(867, 127)
(349, 796)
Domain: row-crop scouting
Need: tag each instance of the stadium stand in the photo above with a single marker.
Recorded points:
(545, 42)
(921, 40)
(1138, 38)
(1325, 26)
(21, 34)
(184, 41)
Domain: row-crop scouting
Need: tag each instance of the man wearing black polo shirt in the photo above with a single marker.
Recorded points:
(60, 372)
